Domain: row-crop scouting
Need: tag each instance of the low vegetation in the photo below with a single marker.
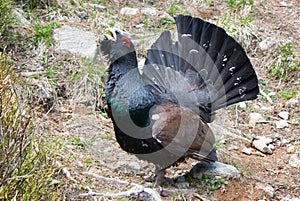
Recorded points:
(26, 159)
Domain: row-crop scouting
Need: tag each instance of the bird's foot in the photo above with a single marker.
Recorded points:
(159, 179)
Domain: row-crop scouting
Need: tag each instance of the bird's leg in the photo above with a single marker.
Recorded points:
(159, 176)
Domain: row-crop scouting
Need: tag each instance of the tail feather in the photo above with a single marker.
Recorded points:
(213, 63)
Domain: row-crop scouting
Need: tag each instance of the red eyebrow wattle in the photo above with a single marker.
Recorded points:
(127, 41)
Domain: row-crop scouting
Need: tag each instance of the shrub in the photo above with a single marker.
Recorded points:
(26, 168)
(5, 15)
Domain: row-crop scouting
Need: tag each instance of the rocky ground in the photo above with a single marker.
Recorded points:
(260, 139)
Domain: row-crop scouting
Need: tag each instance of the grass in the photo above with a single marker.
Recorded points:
(6, 18)
(239, 25)
(285, 93)
(43, 33)
(173, 9)
(36, 4)
(106, 136)
(206, 181)
(286, 65)
(238, 4)
(27, 157)
(78, 143)
(51, 74)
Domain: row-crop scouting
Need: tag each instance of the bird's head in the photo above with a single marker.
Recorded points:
(116, 46)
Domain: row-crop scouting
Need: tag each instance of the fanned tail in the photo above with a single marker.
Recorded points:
(211, 66)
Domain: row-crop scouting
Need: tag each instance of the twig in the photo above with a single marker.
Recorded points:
(113, 181)
(134, 190)
(266, 96)
(236, 116)
(65, 171)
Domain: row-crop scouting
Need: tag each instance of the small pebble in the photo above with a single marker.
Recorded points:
(267, 44)
(271, 146)
(294, 161)
(242, 105)
(290, 149)
(292, 102)
(247, 151)
(129, 11)
(182, 185)
(281, 124)
(284, 115)
(149, 11)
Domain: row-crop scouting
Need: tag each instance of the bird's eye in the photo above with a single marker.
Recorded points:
(126, 41)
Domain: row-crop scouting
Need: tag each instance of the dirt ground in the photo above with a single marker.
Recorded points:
(86, 137)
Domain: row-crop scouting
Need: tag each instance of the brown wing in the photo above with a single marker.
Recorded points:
(182, 132)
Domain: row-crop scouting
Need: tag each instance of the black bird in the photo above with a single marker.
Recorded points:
(160, 112)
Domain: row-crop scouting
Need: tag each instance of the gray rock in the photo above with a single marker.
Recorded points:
(242, 105)
(269, 190)
(149, 11)
(290, 149)
(215, 169)
(180, 179)
(264, 139)
(247, 151)
(258, 153)
(19, 14)
(271, 146)
(97, 6)
(284, 115)
(76, 41)
(261, 145)
(281, 124)
(292, 102)
(182, 185)
(267, 43)
(255, 118)
(131, 167)
(294, 199)
(129, 11)
(294, 161)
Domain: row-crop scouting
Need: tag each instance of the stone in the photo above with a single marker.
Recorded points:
(261, 146)
(294, 161)
(284, 115)
(271, 146)
(269, 190)
(233, 147)
(97, 6)
(255, 118)
(292, 102)
(131, 167)
(267, 43)
(215, 169)
(290, 149)
(19, 14)
(264, 139)
(129, 11)
(180, 179)
(182, 185)
(149, 11)
(258, 153)
(76, 41)
(242, 105)
(281, 124)
(247, 151)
